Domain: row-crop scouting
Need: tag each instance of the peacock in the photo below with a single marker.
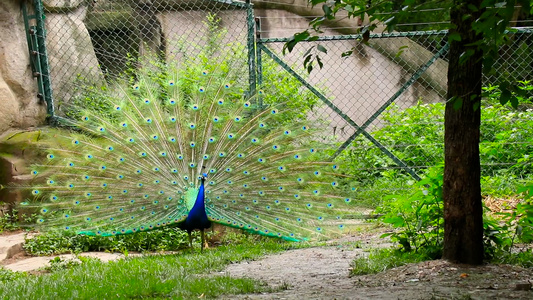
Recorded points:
(187, 147)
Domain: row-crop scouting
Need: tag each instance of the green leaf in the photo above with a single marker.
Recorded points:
(316, 23)
(298, 37)
(347, 53)
(455, 36)
(289, 46)
(321, 48)
(401, 51)
(394, 221)
(307, 60)
(457, 103)
(327, 11)
(472, 7)
(505, 95)
(466, 17)
(466, 55)
(315, 2)
(307, 52)
(389, 20)
(488, 63)
(319, 61)
(349, 8)
(301, 36)
(476, 105)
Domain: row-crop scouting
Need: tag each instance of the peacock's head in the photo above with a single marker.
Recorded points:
(203, 177)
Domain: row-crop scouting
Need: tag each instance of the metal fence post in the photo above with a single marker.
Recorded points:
(250, 20)
(259, 60)
(43, 58)
(35, 37)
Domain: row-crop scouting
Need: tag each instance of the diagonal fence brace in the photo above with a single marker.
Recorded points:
(405, 86)
(338, 111)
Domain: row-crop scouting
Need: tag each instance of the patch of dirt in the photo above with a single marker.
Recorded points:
(323, 273)
(14, 258)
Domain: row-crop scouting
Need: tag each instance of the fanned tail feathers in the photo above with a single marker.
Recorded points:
(136, 166)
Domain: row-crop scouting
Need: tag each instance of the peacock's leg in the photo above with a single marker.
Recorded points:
(204, 242)
(190, 238)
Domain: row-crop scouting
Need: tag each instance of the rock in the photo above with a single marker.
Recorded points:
(15, 148)
(61, 5)
(11, 245)
(523, 286)
(71, 54)
(14, 250)
(19, 105)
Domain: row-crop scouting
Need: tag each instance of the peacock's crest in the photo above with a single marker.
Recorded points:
(134, 163)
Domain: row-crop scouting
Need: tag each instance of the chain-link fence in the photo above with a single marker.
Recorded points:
(93, 43)
(383, 105)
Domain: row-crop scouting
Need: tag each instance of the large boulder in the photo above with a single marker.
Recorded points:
(19, 105)
(62, 5)
(15, 150)
(71, 54)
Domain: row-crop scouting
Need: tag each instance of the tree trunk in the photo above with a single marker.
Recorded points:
(463, 215)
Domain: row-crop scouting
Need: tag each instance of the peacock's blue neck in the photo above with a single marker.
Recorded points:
(199, 204)
(197, 217)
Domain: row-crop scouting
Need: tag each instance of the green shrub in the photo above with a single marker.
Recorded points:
(416, 136)
(8, 275)
(60, 241)
(11, 220)
(223, 65)
(58, 264)
(418, 222)
(380, 260)
(418, 217)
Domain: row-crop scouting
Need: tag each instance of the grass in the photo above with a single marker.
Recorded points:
(380, 260)
(7, 275)
(522, 258)
(180, 276)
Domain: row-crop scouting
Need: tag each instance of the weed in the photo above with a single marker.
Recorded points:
(418, 217)
(57, 264)
(383, 259)
(8, 275)
(11, 220)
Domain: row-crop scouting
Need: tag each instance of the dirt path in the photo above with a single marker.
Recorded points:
(322, 273)
(13, 257)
